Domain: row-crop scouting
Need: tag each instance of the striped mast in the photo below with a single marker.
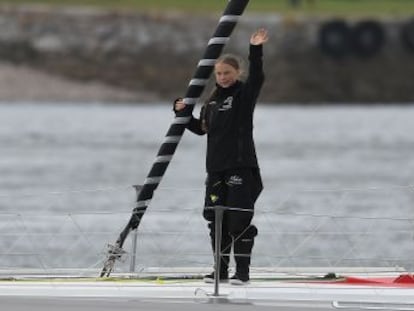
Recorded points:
(221, 36)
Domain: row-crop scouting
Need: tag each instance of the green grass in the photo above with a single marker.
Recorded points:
(319, 7)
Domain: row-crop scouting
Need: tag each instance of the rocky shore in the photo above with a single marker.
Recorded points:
(80, 54)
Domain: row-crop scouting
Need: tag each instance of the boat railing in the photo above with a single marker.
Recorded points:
(317, 229)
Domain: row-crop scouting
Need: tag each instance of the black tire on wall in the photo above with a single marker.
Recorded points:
(368, 38)
(334, 38)
(407, 35)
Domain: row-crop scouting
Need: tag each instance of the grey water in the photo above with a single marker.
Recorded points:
(338, 186)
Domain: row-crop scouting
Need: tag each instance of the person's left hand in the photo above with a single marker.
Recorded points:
(259, 37)
(179, 104)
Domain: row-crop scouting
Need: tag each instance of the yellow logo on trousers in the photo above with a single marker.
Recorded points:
(213, 198)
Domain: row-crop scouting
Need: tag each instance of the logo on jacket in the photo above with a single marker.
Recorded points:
(227, 104)
(235, 180)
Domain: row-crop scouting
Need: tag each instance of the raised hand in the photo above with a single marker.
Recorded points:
(260, 36)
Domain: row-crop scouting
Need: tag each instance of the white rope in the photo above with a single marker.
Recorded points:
(92, 190)
(57, 193)
(125, 187)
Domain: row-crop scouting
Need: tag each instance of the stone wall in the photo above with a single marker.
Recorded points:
(158, 53)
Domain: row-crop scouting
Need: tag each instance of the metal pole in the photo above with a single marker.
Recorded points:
(138, 189)
(218, 211)
(133, 251)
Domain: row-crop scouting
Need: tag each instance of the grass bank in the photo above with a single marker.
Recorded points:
(317, 7)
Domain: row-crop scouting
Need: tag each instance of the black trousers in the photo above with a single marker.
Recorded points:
(238, 189)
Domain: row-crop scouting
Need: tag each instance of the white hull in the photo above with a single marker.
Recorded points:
(265, 288)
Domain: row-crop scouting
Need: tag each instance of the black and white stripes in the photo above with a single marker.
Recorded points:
(221, 36)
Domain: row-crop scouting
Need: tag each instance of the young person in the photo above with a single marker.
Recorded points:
(233, 176)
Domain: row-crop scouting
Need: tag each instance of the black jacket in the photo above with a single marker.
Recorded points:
(228, 119)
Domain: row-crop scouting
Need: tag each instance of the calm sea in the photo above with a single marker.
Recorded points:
(338, 186)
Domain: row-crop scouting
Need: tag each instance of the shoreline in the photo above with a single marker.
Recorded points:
(19, 83)
(135, 57)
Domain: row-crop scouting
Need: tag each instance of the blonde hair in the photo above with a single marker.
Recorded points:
(230, 59)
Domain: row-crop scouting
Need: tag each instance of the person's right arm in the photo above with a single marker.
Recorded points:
(195, 124)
